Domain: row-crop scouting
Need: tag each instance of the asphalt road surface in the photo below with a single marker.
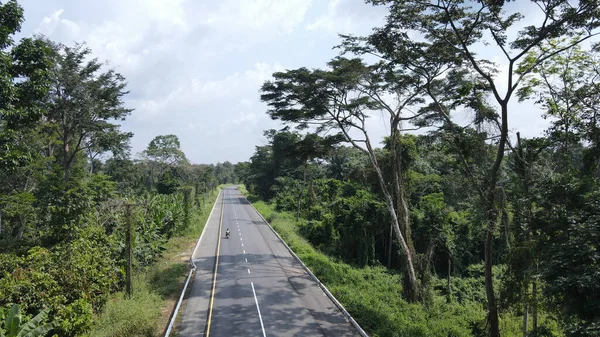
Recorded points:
(260, 289)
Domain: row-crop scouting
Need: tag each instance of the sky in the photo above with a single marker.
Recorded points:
(194, 67)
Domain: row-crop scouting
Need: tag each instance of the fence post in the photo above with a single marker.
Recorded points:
(129, 251)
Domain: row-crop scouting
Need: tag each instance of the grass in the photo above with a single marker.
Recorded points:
(243, 190)
(372, 294)
(156, 289)
(137, 316)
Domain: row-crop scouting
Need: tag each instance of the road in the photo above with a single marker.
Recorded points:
(260, 289)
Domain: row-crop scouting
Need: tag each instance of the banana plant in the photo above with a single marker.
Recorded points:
(14, 327)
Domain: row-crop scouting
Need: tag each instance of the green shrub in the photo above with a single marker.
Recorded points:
(75, 318)
(71, 280)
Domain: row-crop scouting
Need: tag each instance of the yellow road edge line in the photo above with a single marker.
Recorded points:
(212, 295)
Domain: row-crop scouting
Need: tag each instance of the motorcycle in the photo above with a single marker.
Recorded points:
(227, 235)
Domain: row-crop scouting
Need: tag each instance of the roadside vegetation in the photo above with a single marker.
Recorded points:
(156, 288)
(467, 228)
(94, 240)
(369, 293)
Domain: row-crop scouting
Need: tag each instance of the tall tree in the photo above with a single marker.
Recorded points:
(566, 87)
(84, 102)
(162, 153)
(459, 27)
(342, 98)
(24, 83)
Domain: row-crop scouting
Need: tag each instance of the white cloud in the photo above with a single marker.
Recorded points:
(347, 16)
(49, 24)
(54, 21)
(269, 16)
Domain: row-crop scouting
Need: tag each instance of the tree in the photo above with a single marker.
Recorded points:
(260, 172)
(225, 173)
(566, 87)
(529, 167)
(310, 147)
(456, 28)
(162, 153)
(24, 83)
(84, 101)
(341, 98)
(345, 162)
(241, 171)
(125, 172)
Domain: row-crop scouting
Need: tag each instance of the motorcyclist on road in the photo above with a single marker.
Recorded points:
(227, 233)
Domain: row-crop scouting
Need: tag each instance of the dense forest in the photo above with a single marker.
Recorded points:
(469, 213)
(72, 194)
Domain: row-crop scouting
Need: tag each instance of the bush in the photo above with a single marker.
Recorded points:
(71, 280)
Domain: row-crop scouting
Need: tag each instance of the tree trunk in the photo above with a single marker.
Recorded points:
(128, 252)
(301, 192)
(390, 244)
(535, 305)
(489, 286)
(92, 164)
(488, 250)
(311, 193)
(449, 288)
(411, 285)
(401, 203)
(426, 266)
(492, 215)
(67, 169)
(66, 164)
(525, 318)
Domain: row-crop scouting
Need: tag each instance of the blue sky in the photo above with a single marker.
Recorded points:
(195, 67)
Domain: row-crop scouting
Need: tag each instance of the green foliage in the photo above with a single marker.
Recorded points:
(372, 294)
(125, 173)
(153, 286)
(163, 216)
(75, 318)
(61, 206)
(163, 153)
(71, 279)
(12, 325)
(66, 207)
(567, 218)
(167, 184)
(85, 100)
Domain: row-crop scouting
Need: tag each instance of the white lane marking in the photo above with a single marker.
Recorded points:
(246, 260)
(248, 271)
(244, 251)
(242, 245)
(241, 238)
(258, 308)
